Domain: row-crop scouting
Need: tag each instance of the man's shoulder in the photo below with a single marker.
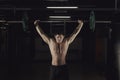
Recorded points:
(52, 40)
(65, 40)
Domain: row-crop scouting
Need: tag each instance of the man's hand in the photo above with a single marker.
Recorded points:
(36, 22)
(80, 21)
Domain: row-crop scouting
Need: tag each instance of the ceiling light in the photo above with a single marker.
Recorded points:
(59, 16)
(56, 0)
(56, 19)
(74, 7)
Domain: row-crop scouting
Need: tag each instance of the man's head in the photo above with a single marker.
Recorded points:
(59, 37)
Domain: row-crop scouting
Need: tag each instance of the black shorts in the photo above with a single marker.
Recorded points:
(59, 72)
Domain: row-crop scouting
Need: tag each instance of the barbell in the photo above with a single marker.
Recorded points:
(92, 27)
(12, 22)
(25, 21)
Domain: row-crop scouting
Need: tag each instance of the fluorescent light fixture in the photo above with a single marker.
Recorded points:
(56, 0)
(59, 16)
(56, 19)
(74, 7)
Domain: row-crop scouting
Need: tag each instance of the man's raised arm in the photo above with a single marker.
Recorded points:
(75, 32)
(41, 32)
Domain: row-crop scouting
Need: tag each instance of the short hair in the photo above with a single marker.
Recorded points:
(53, 34)
(59, 33)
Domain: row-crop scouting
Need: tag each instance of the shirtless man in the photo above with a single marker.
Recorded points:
(58, 46)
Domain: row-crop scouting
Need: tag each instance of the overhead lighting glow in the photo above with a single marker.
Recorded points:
(56, 19)
(74, 7)
(56, 0)
(59, 16)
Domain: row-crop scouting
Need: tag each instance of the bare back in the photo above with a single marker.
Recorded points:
(58, 51)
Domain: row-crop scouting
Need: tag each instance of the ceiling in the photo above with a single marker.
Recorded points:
(36, 9)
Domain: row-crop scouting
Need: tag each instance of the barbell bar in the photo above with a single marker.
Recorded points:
(4, 21)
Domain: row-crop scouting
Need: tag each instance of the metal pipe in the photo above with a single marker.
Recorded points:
(116, 4)
(3, 21)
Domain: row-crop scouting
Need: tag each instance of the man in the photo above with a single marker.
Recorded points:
(58, 48)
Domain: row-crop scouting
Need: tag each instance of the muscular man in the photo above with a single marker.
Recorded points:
(58, 46)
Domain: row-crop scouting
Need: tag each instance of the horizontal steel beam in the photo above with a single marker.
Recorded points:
(81, 9)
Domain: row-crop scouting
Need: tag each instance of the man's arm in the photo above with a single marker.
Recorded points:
(75, 32)
(41, 32)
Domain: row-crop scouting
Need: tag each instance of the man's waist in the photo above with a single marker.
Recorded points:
(58, 62)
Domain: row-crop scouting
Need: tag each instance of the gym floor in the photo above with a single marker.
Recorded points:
(40, 71)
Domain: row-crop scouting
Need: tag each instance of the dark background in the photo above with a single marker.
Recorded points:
(94, 55)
